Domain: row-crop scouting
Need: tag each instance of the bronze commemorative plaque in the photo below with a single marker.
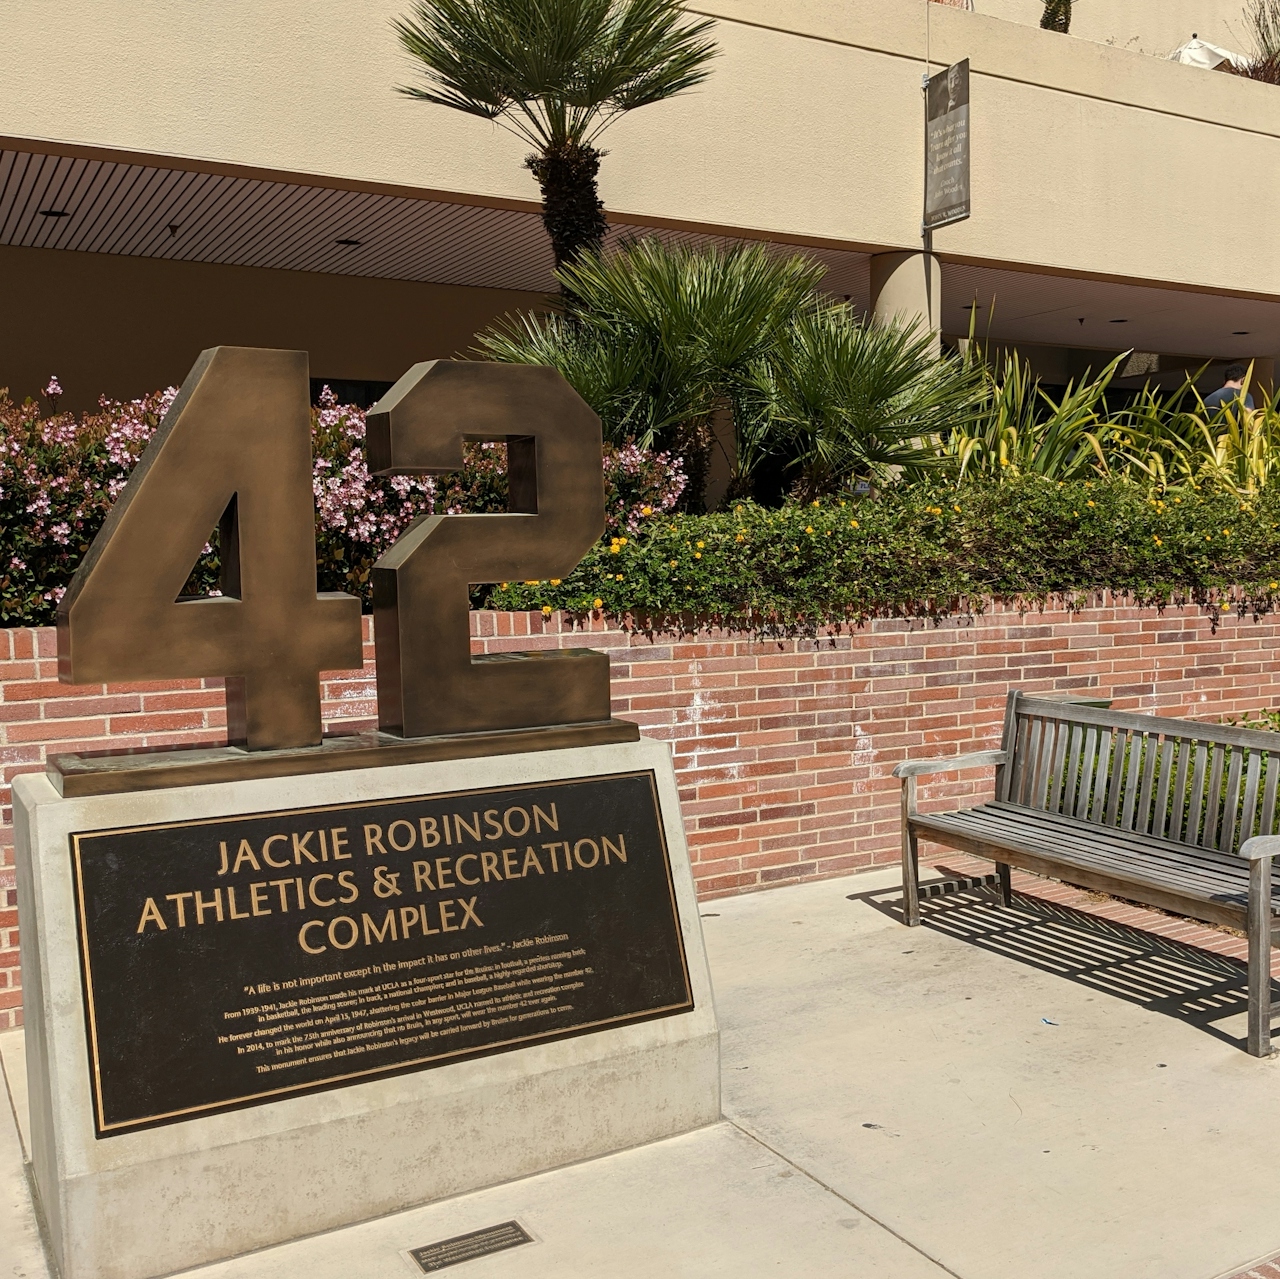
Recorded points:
(236, 961)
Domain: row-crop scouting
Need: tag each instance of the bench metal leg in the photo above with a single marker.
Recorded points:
(910, 857)
(1006, 883)
(1260, 957)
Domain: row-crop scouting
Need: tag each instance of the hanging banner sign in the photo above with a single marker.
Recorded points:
(946, 184)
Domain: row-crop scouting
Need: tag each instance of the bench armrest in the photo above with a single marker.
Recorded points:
(978, 759)
(1260, 846)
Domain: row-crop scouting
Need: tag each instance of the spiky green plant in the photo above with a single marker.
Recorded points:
(1019, 429)
(840, 400)
(556, 73)
(661, 336)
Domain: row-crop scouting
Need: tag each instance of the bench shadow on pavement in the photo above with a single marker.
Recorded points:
(1154, 972)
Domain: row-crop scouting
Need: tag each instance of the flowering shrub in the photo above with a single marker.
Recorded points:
(358, 516)
(60, 474)
(58, 478)
(924, 552)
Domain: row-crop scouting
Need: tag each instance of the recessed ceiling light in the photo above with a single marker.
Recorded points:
(54, 213)
(1119, 321)
(1240, 333)
(354, 244)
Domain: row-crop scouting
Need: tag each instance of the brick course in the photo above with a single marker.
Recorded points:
(783, 751)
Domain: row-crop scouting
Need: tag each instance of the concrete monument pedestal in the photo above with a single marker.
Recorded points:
(134, 1184)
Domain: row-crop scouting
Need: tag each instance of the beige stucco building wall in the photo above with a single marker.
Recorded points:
(810, 126)
(1155, 27)
(1090, 160)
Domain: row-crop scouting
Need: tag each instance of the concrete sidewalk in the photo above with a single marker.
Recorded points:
(1001, 1093)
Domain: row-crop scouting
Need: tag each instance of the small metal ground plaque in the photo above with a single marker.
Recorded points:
(479, 1243)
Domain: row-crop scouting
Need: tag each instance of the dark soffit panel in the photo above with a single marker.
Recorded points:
(140, 210)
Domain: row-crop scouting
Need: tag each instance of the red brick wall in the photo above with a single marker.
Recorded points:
(783, 751)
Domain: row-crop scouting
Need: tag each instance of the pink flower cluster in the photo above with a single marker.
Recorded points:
(59, 476)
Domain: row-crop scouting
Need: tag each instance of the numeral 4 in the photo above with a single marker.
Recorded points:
(234, 451)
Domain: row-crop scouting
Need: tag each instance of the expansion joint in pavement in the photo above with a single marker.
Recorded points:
(831, 1190)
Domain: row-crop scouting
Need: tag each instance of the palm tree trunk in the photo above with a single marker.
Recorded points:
(1057, 16)
(571, 207)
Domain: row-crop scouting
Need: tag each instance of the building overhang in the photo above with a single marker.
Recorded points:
(55, 196)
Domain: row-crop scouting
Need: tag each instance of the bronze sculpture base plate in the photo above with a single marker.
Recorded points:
(111, 772)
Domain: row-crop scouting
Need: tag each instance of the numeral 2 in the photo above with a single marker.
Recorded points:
(428, 682)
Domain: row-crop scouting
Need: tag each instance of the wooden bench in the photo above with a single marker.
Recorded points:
(1176, 814)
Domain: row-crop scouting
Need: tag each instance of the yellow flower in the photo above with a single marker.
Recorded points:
(956, 509)
(546, 610)
(697, 555)
(597, 602)
(701, 545)
(555, 581)
(1088, 503)
(817, 503)
(646, 510)
(1157, 541)
(675, 563)
(742, 537)
(1004, 461)
(502, 586)
(1275, 586)
(1226, 532)
(808, 528)
(614, 549)
(853, 523)
(617, 577)
(622, 541)
(533, 583)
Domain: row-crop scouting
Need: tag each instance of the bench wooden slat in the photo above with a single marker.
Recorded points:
(1087, 761)
(1058, 768)
(1213, 796)
(1231, 805)
(1031, 755)
(1139, 748)
(1073, 770)
(1068, 831)
(1195, 730)
(1266, 825)
(1223, 885)
(1097, 805)
(1119, 745)
(1160, 818)
(1220, 904)
(1195, 793)
(1138, 845)
(1249, 808)
(1049, 730)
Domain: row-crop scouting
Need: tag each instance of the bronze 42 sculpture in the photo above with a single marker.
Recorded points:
(234, 451)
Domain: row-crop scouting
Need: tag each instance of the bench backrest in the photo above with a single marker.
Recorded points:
(1203, 784)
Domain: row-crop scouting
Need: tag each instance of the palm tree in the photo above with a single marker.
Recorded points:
(661, 337)
(556, 73)
(1057, 16)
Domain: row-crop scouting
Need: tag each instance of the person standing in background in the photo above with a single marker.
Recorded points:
(1232, 389)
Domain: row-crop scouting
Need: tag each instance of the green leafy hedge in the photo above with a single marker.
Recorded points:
(913, 552)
